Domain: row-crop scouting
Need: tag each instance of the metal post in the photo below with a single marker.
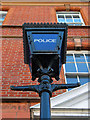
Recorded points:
(45, 111)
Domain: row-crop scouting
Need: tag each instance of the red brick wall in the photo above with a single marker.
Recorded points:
(14, 71)
(17, 15)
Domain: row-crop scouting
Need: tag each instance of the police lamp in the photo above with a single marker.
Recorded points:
(45, 48)
(44, 52)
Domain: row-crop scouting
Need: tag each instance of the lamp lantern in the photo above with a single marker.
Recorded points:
(45, 47)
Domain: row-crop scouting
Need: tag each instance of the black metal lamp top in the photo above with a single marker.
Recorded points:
(45, 46)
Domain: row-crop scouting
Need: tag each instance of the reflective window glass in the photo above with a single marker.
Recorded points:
(77, 68)
(88, 57)
(2, 16)
(69, 58)
(69, 20)
(79, 58)
(61, 20)
(77, 20)
(82, 67)
(70, 67)
(71, 80)
(84, 80)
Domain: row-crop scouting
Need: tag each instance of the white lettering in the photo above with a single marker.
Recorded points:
(45, 40)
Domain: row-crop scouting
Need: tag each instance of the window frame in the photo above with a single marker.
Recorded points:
(77, 74)
(70, 13)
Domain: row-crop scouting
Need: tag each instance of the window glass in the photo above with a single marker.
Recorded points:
(68, 20)
(71, 80)
(88, 57)
(2, 16)
(77, 68)
(79, 58)
(70, 58)
(84, 80)
(77, 20)
(82, 67)
(70, 67)
(61, 18)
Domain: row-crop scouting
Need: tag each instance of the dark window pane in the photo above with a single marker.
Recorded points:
(76, 16)
(70, 67)
(82, 67)
(69, 58)
(68, 16)
(60, 16)
(79, 58)
(3, 15)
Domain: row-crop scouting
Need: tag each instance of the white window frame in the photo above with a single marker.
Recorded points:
(70, 13)
(2, 13)
(83, 74)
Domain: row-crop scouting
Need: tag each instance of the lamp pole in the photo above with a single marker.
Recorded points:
(45, 111)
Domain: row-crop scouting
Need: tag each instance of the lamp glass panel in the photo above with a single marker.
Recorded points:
(45, 42)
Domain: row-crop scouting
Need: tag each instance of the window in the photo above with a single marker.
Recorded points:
(2, 16)
(77, 67)
(71, 18)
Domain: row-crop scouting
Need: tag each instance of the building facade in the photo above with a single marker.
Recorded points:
(16, 104)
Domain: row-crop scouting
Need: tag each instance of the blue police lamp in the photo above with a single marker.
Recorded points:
(45, 52)
(45, 48)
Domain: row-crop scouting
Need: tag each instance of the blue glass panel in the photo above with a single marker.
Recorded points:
(78, 24)
(45, 41)
(70, 67)
(69, 58)
(61, 20)
(69, 20)
(82, 67)
(79, 58)
(71, 80)
(77, 20)
(84, 80)
(1, 19)
(88, 57)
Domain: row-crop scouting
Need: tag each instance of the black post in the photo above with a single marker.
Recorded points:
(45, 94)
(45, 111)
